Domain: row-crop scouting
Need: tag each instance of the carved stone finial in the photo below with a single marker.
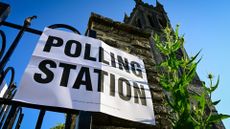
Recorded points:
(158, 4)
(138, 1)
(28, 20)
(126, 16)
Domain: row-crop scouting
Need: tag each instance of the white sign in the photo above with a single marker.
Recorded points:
(77, 72)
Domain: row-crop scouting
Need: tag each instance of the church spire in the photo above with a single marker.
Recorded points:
(147, 17)
(158, 3)
(138, 2)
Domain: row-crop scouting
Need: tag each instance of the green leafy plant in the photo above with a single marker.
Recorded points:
(58, 126)
(189, 109)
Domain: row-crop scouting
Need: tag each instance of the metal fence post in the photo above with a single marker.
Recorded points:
(40, 119)
(10, 116)
(20, 118)
(12, 120)
(68, 121)
(15, 42)
(84, 120)
(3, 116)
(4, 11)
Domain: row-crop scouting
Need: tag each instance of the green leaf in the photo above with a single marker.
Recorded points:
(191, 73)
(176, 76)
(217, 83)
(177, 31)
(217, 117)
(162, 49)
(156, 38)
(58, 126)
(164, 64)
(193, 58)
(199, 61)
(171, 104)
(207, 89)
(202, 102)
(176, 45)
(215, 102)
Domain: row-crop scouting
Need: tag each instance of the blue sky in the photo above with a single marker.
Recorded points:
(205, 23)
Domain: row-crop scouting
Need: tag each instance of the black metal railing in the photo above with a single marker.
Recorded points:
(11, 113)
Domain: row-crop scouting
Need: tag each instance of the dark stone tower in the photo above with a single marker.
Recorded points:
(147, 17)
(133, 36)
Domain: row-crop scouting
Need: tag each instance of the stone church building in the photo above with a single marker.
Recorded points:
(133, 36)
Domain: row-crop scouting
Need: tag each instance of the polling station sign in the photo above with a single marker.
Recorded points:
(77, 72)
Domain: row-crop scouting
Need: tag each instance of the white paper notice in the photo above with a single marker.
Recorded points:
(78, 72)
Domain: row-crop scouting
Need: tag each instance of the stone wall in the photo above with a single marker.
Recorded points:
(135, 42)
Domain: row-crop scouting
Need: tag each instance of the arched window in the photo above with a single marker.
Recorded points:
(161, 22)
(139, 23)
(151, 21)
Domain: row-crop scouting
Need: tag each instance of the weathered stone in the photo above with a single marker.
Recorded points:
(160, 109)
(123, 38)
(110, 41)
(103, 28)
(100, 33)
(134, 38)
(140, 44)
(155, 88)
(119, 40)
(149, 61)
(141, 52)
(157, 97)
(149, 68)
(165, 124)
(151, 78)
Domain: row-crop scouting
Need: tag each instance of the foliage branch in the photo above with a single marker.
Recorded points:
(188, 109)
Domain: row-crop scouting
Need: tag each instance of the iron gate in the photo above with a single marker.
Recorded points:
(11, 113)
